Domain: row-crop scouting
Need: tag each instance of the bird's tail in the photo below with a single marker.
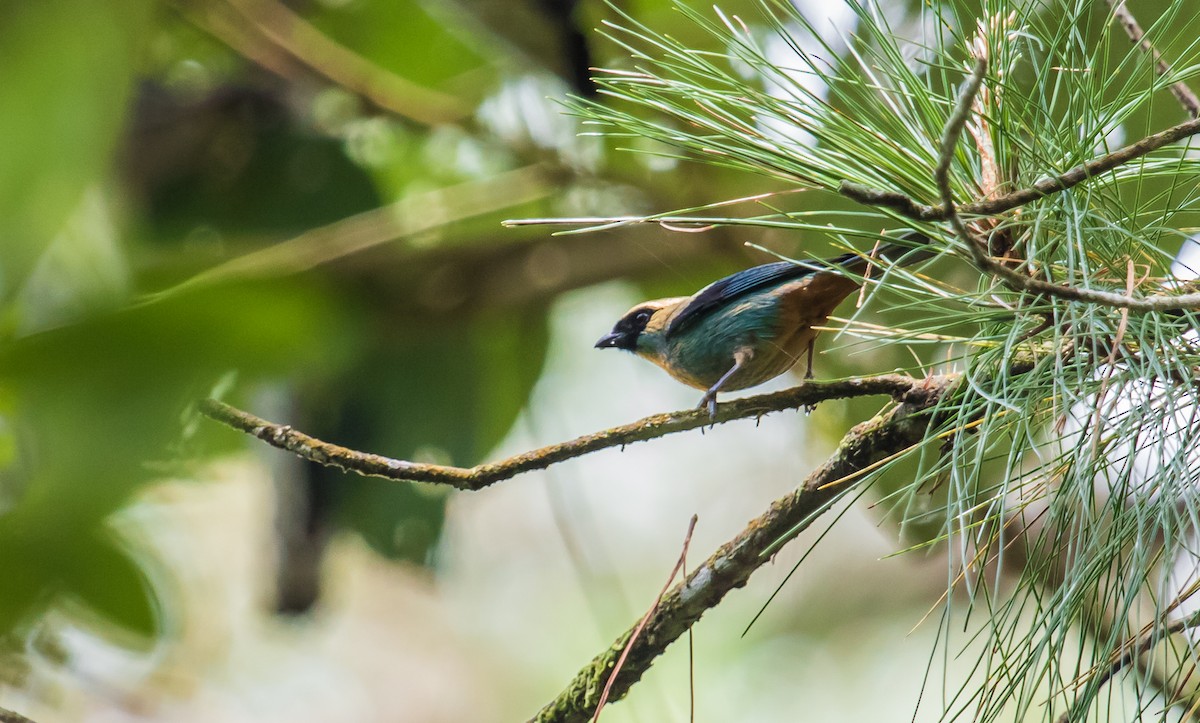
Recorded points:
(911, 248)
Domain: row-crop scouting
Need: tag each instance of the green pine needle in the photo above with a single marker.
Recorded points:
(1060, 475)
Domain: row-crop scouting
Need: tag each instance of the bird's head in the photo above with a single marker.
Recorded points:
(642, 328)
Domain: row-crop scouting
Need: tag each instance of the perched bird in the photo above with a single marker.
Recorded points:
(748, 327)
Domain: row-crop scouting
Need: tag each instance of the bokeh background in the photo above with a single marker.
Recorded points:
(298, 206)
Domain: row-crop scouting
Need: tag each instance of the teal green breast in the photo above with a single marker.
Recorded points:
(702, 353)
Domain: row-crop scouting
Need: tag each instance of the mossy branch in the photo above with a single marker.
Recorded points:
(892, 432)
(899, 386)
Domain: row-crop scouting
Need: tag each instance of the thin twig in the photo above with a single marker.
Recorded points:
(671, 223)
(1186, 97)
(681, 217)
(906, 206)
(903, 427)
(681, 564)
(1143, 646)
(899, 386)
(979, 254)
(691, 652)
(1132, 653)
(950, 136)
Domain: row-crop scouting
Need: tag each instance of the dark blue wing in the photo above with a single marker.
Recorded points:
(743, 283)
(738, 285)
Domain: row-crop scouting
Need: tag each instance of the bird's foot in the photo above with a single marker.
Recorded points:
(709, 400)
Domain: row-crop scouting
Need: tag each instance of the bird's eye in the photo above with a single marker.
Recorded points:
(643, 317)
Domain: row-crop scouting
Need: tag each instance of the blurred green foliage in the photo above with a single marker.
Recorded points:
(71, 68)
(147, 144)
(440, 55)
(93, 403)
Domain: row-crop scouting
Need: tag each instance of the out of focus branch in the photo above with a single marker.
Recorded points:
(730, 566)
(899, 386)
(8, 716)
(1179, 89)
(1133, 652)
(279, 27)
(411, 216)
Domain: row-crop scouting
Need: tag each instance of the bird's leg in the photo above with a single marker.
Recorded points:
(740, 357)
(808, 373)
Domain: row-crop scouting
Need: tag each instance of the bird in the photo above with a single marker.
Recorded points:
(750, 326)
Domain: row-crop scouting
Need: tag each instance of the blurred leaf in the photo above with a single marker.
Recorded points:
(430, 55)
(112, 583)
(29, 576)
(103, 396)
(282, 180)
(69, 65)
(509, 359)
(453, 387)
(40, 563)
(93, 402)
(446, 392)
(394, 518)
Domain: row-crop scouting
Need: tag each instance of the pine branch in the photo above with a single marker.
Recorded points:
(890, 433)
(910, 208)
(1010, 277)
